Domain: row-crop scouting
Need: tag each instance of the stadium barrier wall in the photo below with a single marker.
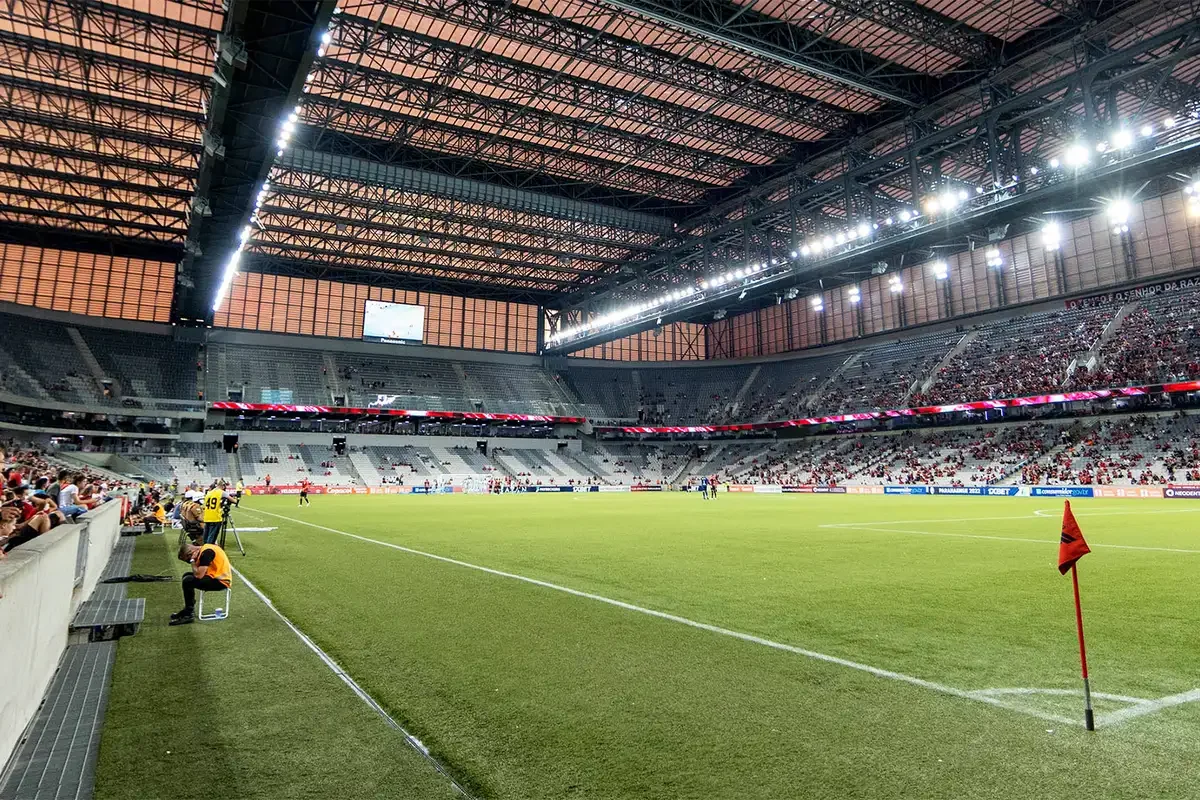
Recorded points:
(42, 584)
(1171, 491)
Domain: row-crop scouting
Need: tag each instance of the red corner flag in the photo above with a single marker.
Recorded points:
(1072, 546)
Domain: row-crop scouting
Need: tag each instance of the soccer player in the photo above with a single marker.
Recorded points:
(712, 487)
(304, 501)
(703, 487)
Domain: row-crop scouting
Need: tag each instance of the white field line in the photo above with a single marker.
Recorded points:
(878, 672)
(862, 526)
(371, 703)
(1151, 707)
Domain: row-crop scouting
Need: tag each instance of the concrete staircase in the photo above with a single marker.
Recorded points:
(366, 470)
(745, 387)
(89, 359)
(332, 378)
(957, 350)
(811, 399)
(1091, 359)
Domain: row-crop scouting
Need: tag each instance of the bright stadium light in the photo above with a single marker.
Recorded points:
(1051, 236)
(994, 259)
(805, 250)
(895, 284)
(840, 238)
(905, 216)
(1077, 155)
(795, 254)
(855, 295)
(941, 270)
(1118, 215)
(1122, 139)
(864, 230)
(827, 242)
(818, 304)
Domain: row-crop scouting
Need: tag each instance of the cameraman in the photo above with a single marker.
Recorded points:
(191, 515)
(216, 501)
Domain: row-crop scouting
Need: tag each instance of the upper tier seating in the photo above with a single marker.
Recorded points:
(1019, 357)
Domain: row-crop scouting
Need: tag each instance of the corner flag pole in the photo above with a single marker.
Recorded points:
(1089, 720)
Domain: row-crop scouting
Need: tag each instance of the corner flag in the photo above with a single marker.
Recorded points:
(1071, 546)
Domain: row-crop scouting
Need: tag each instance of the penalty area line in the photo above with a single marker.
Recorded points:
(878, 672)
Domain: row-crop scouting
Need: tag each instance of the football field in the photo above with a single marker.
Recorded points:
(755, 646)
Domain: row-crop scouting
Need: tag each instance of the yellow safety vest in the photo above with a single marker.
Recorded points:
(212, 505)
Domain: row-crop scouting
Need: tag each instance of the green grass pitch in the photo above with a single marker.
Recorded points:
(853, 646)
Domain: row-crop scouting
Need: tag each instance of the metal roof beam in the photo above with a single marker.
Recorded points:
(376, 220)
(1052, 97)
(346, 273)
(140, 32)
(383, 257)
(746, 89)
(410, 242)
(779, 41)
(368, 132)
(442, 214)
(270, 50)
(532, 84)
(439, 185)
(412, 101)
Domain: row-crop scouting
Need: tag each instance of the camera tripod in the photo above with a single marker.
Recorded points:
(227, 525)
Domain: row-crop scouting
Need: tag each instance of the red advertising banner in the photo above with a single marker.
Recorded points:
(478, 416)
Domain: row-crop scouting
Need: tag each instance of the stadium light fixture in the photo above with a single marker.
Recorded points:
(840, 238)
(1055, 163)
(855, 295)
(1169, 123)
(994, 259)
(795, 254)
(905, 216)
(1051, 235)
(864, 230)
(827, 243)
(805, 250)
(1122, 139)
(895, 284)
(1147, 130)
(1077, 155)
(818, 303)
(1118, 215)
(941, 270)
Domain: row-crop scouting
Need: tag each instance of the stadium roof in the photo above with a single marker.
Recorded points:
(571, 152)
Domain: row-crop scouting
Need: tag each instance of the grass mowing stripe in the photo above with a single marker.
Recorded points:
(704, 626)
(370, 702)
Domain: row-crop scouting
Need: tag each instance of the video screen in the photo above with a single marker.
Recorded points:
(393, 323)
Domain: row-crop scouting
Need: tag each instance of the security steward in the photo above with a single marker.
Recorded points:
(213, 512)
(211, 572)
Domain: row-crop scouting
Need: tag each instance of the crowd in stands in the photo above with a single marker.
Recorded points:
(1159, 341)
(1021, 358)
(1133, 451)
(41, 493)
